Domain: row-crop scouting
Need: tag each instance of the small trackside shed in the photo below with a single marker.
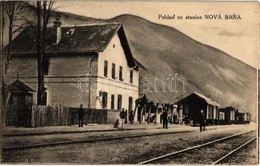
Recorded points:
(19, 104)
(193, 103)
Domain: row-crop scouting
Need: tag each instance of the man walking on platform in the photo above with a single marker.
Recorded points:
(80, 115)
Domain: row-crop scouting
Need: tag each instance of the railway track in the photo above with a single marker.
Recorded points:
(199, 152)
(90, 140)
(233, 152)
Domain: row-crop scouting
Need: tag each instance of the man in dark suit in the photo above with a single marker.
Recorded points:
(165, 119)
(201, 120)
(81, 115)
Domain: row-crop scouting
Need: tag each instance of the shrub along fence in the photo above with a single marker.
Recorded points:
(58, 115)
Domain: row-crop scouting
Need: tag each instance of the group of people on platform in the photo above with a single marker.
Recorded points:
(123, 116)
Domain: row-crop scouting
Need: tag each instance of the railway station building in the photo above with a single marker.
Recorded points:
(89, 64)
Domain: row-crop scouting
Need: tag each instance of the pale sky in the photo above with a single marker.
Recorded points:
(238, 38)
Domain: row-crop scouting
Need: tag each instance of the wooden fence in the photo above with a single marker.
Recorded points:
(50, 116)
(98, 116)
(40, 116)
(18, 116)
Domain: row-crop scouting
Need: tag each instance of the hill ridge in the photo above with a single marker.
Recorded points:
(166, 26)
(206, 69)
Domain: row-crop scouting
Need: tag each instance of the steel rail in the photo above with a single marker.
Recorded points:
(191, 148)
(233, 151)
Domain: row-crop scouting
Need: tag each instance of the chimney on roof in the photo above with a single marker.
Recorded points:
(57, 27)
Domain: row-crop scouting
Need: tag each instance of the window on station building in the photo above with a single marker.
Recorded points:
(113, 71)
(105, 68)
(112, 102)
(119, 102)
(131, 76)
(120, 73)
(104, 99)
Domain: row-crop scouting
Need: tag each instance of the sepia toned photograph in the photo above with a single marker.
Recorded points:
(129, 82)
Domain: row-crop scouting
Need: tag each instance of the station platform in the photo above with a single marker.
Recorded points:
(22, 131)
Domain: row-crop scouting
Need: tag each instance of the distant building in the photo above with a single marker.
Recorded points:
(192, 105)
(91, 65)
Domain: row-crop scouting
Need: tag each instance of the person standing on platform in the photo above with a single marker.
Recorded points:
(123, 116)
(126, 116)
(165, 119)
(131, 117)
(201, 120)
(81, 115)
